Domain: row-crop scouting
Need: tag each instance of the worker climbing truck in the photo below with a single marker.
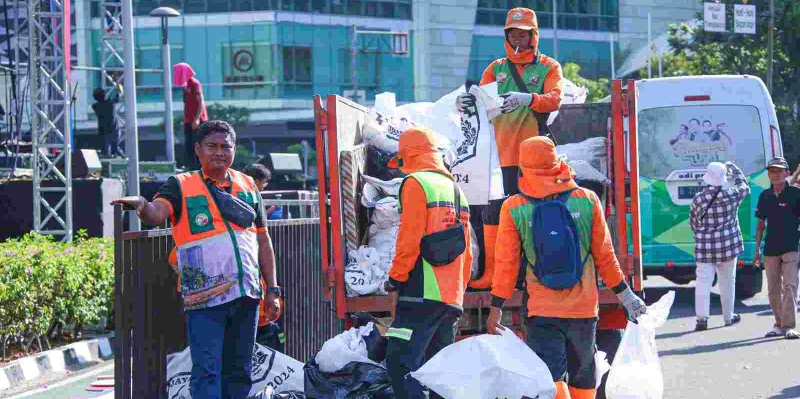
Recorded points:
(342, 159)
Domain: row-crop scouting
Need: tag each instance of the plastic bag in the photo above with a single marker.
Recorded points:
(487, 367)
(382, 233)
(377, 167)
(601, 366)
(270, 369)
(349, 346)
(363, 274)
(354, 381)
(476, 254)
(636, 371)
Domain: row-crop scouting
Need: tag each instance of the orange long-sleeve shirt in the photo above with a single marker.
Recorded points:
(550, 99)
(580, 301)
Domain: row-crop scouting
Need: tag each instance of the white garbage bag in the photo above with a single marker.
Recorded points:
(585, 170)
(636, 371)
(363, 274)
(382, 232)
(487, 367)
(591, 150)
(270, 368)
(601, 366)
(344, 348)
(466, 141)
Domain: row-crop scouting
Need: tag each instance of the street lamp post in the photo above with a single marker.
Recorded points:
(164, 13)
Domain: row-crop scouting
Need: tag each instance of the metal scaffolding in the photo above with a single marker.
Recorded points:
(47, 23)
(112, 61)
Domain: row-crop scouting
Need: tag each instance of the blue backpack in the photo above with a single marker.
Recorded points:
(556, 243)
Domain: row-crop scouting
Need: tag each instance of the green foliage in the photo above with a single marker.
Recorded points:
(236, 116)
(243, 157)
(42, 281)
(298, 149)
(697, 52)
(598, 89)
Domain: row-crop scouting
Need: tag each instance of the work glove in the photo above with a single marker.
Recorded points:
(634, 306)
(514, 99)
(465, 102)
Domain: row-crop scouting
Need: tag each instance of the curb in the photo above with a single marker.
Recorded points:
(70, 357)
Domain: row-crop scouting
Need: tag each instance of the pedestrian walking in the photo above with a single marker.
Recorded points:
(779, 209)
(561, 231)
(222, 252)
(718, 239)
(432, 261)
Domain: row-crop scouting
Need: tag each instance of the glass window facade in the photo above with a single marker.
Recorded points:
(591, 15)
(397, 9)
(282, 60)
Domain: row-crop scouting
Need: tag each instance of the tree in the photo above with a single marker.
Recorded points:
(236, 116)
(697, 52)
(598, 89)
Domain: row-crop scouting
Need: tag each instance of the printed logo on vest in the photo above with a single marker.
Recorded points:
(501, 77)
(534, 79)
(201, 219)
(517, 16)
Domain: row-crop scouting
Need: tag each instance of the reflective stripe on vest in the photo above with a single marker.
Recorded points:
(217, 260)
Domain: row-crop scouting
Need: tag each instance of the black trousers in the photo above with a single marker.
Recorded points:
(419, 331)
(190, 160)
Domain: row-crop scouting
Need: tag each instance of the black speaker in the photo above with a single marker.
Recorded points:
(86, 163)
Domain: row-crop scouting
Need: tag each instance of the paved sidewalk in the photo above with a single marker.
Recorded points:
(31, 371)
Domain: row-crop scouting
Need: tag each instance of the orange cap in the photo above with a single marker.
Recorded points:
(521, 18)
(413, 142)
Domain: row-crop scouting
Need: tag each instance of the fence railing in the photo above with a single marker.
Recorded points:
(149, 317)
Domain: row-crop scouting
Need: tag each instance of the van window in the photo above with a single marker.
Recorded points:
(689, 137)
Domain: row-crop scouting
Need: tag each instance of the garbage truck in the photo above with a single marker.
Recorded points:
(342, 157)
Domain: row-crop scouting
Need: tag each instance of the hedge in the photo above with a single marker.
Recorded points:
(43, 281)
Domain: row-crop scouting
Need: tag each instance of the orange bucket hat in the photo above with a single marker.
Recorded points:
(414, 142)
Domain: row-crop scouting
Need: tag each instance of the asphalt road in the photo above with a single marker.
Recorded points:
(723, 362)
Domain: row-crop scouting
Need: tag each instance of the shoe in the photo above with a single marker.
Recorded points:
(792, 334)
(735, 319)
(702, 325)
(775, 332)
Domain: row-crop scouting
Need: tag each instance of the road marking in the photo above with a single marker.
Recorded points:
(67, 381)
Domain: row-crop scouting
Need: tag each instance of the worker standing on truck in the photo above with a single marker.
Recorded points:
(432, 261)
(531, 84)
(556, 225)
(223, 249)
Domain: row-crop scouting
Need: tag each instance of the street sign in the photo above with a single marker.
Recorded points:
(714, 17)
(744, 18)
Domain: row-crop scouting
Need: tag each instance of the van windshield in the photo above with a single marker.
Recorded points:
(689, 137)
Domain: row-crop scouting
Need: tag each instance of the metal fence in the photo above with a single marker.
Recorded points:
(149, 319)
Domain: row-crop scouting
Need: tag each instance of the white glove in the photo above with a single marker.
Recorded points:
(634, 306)
(514, 99)
(465, 102)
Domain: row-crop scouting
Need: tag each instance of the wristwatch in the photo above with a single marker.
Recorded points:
(275, 290)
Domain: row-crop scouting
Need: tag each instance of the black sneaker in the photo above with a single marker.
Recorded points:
(702, 325)
(735, 319)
